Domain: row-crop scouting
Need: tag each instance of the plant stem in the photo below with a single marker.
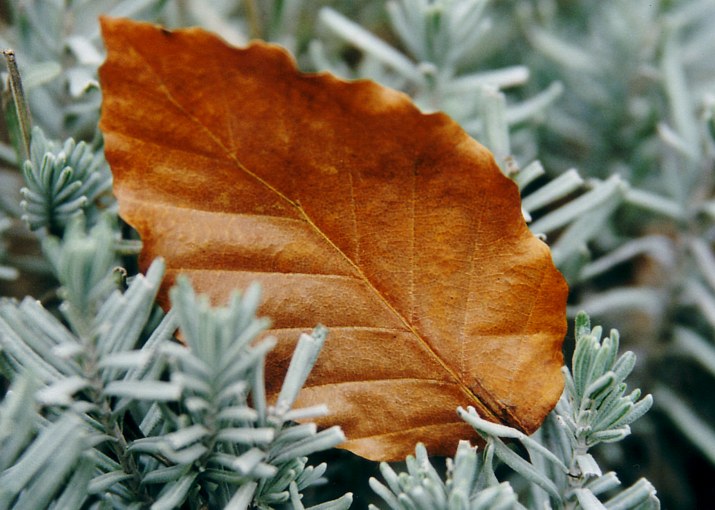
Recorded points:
(18, 96)
(254, 19)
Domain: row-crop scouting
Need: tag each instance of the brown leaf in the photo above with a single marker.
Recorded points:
(393, 228)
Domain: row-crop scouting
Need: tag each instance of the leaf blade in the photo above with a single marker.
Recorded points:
(353, 209)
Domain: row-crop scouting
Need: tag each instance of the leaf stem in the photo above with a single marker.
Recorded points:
(18, 96)
(254, 19)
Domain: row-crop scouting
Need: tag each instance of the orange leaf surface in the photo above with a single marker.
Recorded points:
(353, 209)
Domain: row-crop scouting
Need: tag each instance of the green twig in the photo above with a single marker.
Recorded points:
(254, 19)
(18, 97)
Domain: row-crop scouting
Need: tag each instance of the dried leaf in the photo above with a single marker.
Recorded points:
(353, 209)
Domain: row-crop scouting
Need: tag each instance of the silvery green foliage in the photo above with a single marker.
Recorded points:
(7, 272)
(596, 408)
(605, 55)
(151, 421)
(41, 461)
(62, 182)
(59, 49)
(658, 61)
(67, 363)
(239, 21)
(646, 122)
(630, 68)
(466, 486)
(443, 39)
(559, 470)
(568, 210)
(593, 409)
(448, 42)
(84, 264)
(225, 446)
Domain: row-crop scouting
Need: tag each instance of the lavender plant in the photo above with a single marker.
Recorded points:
(137, 417)
(615, 99)
(658, 255)
(558, 470)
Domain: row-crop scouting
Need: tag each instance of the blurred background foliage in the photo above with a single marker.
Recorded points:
(602, 112)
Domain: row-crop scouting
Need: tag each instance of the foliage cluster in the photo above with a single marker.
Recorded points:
(615, 99)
